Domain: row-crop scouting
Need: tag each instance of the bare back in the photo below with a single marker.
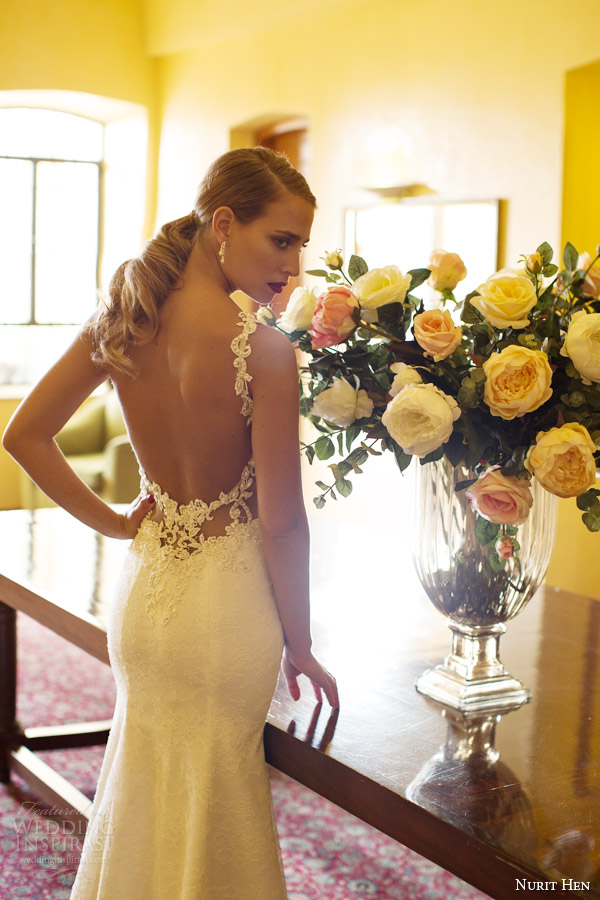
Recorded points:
(182, 412)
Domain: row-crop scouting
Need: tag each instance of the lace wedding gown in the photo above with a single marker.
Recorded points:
(183, 806)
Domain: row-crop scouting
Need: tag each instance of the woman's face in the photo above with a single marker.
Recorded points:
(261, 256)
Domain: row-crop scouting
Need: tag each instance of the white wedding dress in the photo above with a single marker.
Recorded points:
(183, 806)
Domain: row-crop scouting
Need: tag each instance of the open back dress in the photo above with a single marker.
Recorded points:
(183, 806)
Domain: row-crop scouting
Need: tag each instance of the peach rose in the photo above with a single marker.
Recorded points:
(591, 285)
(562, 460)
(447, 269)
(332, 320)
(436, 333)
(517, 381)
(505, 547)
(505, 299)
(504, 500)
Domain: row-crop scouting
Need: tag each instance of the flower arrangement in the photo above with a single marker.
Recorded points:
(506, 381)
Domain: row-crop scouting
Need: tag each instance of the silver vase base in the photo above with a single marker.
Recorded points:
(492, 692)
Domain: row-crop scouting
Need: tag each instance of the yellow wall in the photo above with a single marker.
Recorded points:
(575, 561)
(467, 98)
(94, 46)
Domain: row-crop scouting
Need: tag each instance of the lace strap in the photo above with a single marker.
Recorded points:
(241, 349)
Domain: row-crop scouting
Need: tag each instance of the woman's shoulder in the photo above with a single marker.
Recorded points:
(271, 350)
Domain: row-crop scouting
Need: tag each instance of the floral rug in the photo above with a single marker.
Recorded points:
(328, 854)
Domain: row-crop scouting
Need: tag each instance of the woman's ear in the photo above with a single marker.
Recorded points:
(222, 221)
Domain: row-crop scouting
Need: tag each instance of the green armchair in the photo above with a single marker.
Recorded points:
(96, 444)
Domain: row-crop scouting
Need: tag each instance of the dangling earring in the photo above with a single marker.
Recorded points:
(222, 252)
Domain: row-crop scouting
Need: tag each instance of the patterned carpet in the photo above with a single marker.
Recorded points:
(328, 854)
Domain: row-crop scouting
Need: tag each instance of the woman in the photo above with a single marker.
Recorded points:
(215, 585)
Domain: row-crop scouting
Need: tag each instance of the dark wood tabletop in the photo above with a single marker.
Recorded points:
(507, 802)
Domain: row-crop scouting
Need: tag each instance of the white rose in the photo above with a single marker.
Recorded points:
(582, 344)
(297, 316)
(341, 404)
(421, 418)
(404, 375)
(265, 315)
(381, 286)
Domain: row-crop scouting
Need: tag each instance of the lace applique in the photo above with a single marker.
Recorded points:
(241, 348)
(175, 545)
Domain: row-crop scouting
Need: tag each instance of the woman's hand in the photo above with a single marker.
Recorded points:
(131, 520)
(320, 678)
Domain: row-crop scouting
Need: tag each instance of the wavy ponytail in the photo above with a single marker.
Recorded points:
(245, 180)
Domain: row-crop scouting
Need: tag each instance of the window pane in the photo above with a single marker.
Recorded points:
(44, 133)
(66, 241)
(16, 185)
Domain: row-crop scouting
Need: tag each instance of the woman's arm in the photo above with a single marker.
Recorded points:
(29, 438)
(283, 522)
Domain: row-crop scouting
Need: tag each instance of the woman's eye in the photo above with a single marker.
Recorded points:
(282, 242)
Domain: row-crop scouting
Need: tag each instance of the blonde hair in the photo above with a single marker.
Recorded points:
(245, 180)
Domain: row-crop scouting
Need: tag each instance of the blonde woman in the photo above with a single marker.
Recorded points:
(215, 585)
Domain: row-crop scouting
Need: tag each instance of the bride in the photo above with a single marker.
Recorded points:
(215, 586)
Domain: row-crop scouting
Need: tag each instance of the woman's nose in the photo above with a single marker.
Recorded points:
(292, 266)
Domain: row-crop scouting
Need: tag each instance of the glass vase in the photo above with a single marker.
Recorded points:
(456, 573)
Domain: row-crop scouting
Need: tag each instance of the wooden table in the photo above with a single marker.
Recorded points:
(503, 802)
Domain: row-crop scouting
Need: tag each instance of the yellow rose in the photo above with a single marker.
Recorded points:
(436, 333)
(381, 286)
(562, 460)
(517, 381)
(505, 299)
(582, 344)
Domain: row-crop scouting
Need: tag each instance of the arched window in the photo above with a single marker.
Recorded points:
(50, 185)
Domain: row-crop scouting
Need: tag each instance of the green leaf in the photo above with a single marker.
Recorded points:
(344, 486)
(319, 502)
(549, 270)
(516, 463)
(357, 267)
(351, 434)
(462, 485)
(495, 562)
(485, 531)
(546, 252)
(322, 485)
(310, 454)
(320, 273)
(332, 278)
(591, 521)
(570, 257)
(417, 277)
(324, 447)
(402, 459)
(433, 456)
(470, 315)
(340, 440)
(467, 396)
(587, 500)
(478, 376)
(337, 472)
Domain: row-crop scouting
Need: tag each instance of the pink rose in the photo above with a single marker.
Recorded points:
(332, 320)
(504, 500)
(591, 285)
(447, 269)
(505, 547)
(436, 333)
